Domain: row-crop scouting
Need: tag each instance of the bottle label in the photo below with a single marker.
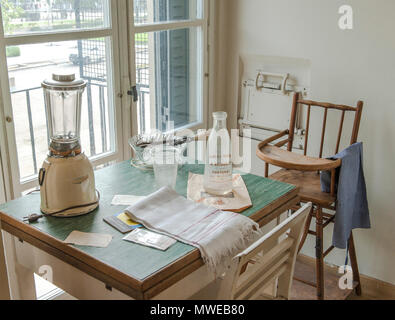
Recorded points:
(219, 171)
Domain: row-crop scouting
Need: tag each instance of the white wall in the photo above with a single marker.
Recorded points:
(345, 66)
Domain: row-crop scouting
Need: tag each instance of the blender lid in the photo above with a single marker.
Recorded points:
(63, 82)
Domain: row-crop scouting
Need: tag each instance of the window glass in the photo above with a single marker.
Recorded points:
(169, 78)
(153, 11)
(36, 16)
(29, 65)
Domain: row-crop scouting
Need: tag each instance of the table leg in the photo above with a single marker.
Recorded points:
(20, 279)
(4, 284)
(26, 283)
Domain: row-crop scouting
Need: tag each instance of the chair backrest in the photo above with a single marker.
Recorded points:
(274, 258)
(297, 102)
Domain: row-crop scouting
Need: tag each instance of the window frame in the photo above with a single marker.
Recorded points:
(122, 31)
(204, 24)
(13, 184)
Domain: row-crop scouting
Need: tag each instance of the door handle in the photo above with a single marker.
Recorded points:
(133, 92)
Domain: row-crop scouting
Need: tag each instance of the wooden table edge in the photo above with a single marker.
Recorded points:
(278, 206)
(147, 288)
(73, 256)
(196, 264)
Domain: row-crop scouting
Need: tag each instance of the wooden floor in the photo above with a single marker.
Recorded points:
(306, 270)
(303, 291)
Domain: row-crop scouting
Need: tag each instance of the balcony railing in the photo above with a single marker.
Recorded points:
(95, 100)
(100, 90)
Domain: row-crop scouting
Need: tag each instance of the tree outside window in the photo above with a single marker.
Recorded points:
(10, 12)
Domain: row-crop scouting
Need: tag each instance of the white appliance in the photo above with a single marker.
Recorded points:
(266, 109)
(67, 181)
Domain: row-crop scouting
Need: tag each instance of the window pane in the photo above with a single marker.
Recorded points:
(29, 65)
(151, 11)
(169, 78)
(34, 16)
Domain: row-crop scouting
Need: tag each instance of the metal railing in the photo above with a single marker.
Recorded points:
(103, 119)
(30, 119)
(143, 92)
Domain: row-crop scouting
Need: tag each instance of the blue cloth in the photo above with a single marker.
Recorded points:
(352, 203)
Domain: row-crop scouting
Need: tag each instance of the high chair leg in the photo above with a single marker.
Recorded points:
(306, 230)
(354, 265)
(319, 255)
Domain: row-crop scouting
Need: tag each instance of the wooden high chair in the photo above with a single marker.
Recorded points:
(304, 172)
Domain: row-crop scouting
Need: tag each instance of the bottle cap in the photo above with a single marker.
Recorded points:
(63, 81)
(220, 115)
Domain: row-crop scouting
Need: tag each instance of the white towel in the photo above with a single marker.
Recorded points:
(217, 234)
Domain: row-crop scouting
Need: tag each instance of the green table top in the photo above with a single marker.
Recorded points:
(135, 260)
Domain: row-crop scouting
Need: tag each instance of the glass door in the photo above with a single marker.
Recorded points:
(169, 64)
(41, 37)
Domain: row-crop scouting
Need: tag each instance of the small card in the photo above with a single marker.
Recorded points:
(150, 239)
(89, 239)
(125, 200)
(122, 223)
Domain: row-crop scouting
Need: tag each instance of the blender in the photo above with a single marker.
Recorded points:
(67, 180)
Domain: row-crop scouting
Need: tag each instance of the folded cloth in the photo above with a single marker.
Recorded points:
(219, 235)
(352, 205)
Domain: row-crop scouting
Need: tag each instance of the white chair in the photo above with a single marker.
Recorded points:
(273, 259)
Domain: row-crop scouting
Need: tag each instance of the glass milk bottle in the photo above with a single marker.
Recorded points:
(218, 169)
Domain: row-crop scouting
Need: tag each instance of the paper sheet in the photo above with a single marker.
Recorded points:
(89, 239)
(125, 200)
(150, 239)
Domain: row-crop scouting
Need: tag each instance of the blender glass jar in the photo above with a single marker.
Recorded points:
(63, 99)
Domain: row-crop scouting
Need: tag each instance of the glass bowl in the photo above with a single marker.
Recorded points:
(142, 145)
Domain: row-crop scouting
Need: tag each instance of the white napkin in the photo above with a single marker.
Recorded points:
(89, 239)
(217, 234)
(125, 200)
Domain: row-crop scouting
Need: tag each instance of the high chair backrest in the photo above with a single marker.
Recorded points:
(274, 257)
(298, 103)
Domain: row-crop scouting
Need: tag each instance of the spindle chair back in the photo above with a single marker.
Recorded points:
(343, 109)
(304, 171)
(274, 257)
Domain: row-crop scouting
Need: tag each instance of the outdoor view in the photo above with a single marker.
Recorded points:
(169, 70)
(27, 71)
(152, 11)
(35, 16)
(169, 65)
(30, 64)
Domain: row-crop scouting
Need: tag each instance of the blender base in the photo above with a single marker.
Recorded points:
(68, 187)
(76, 212)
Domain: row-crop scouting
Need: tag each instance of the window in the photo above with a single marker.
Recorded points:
(170, 47)
(154, 11)
(42, 37)
(22, 17)
(166, 59)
